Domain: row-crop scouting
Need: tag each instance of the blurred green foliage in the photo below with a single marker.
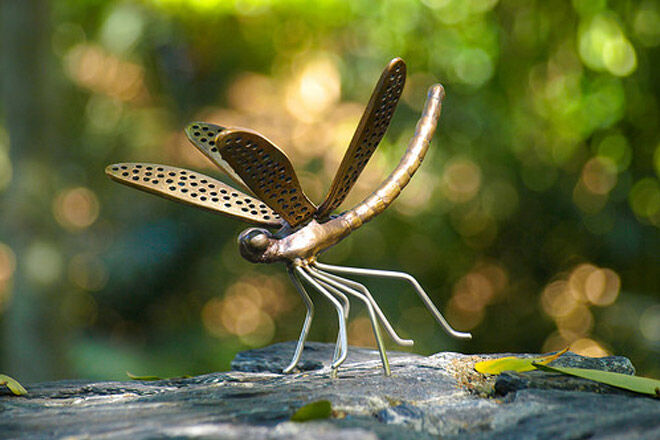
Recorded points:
(532, 223)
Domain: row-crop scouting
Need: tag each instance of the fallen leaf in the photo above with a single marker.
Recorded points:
(320, 409)
(151, 378)
(145, 378)
(637, 384)
(13, 385)
(511, 363)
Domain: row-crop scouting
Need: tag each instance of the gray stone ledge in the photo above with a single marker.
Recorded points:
(426, 397)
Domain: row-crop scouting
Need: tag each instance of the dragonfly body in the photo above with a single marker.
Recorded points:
(260, 246)
(305, 230)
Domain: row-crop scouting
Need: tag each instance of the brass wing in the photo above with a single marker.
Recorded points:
(268, 172)
(202, 135)
(194, 189)
(371, 129)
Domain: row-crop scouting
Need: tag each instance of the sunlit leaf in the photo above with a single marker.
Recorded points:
(145, 378)
(13, 385)
(512, 363)
(150, 378)
(637, 384)
(320, 409)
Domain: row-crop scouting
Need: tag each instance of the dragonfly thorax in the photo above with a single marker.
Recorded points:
(259, 245)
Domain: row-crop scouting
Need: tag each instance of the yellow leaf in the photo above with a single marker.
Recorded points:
(13, 385)
(496, 366)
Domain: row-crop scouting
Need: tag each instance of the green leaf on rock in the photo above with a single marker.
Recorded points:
(321, 409)
(637, 384)
(151, 378)
(496, 366)
(13, 385)
(144, 378)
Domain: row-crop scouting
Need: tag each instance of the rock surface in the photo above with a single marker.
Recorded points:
(427, 397)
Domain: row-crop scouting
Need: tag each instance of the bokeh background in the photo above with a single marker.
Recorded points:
(533, 222)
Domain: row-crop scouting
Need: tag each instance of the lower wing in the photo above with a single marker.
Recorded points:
(194, 189)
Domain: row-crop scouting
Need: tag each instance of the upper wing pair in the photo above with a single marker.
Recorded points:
(253, 162)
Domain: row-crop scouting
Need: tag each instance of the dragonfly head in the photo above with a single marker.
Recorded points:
(256, 244)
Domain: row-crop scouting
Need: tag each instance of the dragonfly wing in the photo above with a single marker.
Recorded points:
(194, 189)
(268, 172)
(371, 129)
(202, 135)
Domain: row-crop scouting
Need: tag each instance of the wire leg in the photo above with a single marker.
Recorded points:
(335, 353)
(402, 276)
(306, 324)
(346, 306)
(362, 288)
(334, 286)
(342, 340)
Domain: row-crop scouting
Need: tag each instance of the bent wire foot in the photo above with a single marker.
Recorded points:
(341, 349)
(402, 276)
(334, 286)
(306, 324)
(308, 320)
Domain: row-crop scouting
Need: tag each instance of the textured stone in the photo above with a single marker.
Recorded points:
(427, 397)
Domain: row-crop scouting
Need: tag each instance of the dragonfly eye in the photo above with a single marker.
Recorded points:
(253, 244)
(258, 240)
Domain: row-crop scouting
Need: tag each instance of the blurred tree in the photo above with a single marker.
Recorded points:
(32, 346)
(533, 221)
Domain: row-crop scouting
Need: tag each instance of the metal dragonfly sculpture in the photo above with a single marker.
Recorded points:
(303, 230)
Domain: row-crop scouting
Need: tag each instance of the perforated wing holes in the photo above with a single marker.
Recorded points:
(202, 135)
(268, 173)
(194, 189)
(371, 129)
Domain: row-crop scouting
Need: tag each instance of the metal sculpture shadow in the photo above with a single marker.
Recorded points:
(303, 229)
